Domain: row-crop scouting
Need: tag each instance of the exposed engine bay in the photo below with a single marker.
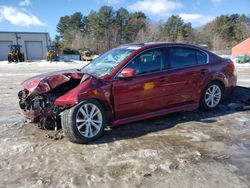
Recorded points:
(39, 106)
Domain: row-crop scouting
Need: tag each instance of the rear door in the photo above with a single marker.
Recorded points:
(141, 94)
(185, 70)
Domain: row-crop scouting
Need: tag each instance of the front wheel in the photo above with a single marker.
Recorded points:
(211, 96)
(85, 122)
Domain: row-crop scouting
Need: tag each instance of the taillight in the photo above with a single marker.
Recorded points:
(231, 67)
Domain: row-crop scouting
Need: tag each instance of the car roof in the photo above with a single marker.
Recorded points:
(155, 44)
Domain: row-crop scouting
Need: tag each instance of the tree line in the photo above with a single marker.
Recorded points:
(107, 28)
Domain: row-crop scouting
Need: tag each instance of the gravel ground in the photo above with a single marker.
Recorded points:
(188, 149)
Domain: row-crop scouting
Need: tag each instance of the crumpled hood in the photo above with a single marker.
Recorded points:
(45, 82)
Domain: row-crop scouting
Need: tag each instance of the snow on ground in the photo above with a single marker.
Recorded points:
(45, 63)
(242, 64)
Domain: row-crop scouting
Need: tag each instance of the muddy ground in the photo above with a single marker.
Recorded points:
(188, 149)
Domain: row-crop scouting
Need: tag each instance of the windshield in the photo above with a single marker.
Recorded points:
(87, 54)
(107, 62)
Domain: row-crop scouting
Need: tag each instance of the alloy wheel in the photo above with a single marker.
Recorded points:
(213, 96)
(89, 120)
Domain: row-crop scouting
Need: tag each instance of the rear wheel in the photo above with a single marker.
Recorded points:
(84, 122)
(211, 96)
(21, 58)
(9, 58)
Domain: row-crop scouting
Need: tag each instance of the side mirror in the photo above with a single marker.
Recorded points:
(127, 73)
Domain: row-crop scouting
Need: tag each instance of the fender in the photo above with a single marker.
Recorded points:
(213, 76)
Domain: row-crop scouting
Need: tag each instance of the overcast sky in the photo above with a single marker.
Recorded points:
(43, 15)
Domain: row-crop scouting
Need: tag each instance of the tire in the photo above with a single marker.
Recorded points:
(211, 96)
(9, 58)
(87, 128)
(21, 58)
(16, 59)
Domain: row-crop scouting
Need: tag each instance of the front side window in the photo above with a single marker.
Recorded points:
(180, 57)
(107, 62)
(148, 62)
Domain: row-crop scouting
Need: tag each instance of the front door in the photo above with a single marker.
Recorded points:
(142, 93)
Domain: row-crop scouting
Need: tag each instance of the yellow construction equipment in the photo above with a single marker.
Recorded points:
(52, 53)
(86, 54)
(15, 55)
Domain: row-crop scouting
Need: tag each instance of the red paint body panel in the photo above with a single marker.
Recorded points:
(139, 97)
(155, 114)
(45, 82)
(136, 96)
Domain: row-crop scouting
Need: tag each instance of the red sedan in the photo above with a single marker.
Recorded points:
(127, 84)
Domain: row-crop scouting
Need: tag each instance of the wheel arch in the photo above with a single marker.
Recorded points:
(218, 80)
(69, 123)
(107, 109)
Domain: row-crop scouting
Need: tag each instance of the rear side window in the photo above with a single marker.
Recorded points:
(179, 57)
(201, 58)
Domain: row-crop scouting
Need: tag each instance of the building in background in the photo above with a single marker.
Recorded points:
(34, 44)
(241, 48)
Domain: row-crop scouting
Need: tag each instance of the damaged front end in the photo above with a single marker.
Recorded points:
(37, 98)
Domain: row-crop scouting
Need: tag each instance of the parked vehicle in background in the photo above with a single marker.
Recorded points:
(86, 55)
(242, 58)
(126, 84)
(15, 55)
(52, 54)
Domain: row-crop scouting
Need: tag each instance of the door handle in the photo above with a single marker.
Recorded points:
(203, 71)
(162, 79)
